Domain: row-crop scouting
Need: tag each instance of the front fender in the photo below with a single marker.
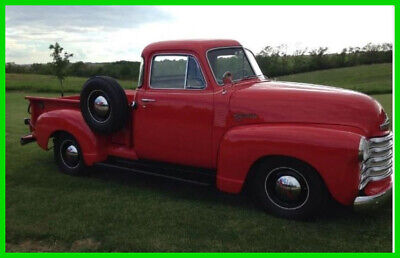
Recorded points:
(70, 121)
(333, 153)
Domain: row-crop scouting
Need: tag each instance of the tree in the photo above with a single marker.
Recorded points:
(60, 63)
(318, 57)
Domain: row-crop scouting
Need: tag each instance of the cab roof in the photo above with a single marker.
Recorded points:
(189, 45)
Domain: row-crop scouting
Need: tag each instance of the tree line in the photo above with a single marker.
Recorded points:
(273, 61)
(119, 69)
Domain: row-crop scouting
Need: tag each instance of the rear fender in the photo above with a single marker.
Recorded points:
(72, 122)
(333, 153)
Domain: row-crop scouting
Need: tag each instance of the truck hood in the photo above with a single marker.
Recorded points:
(288, 102)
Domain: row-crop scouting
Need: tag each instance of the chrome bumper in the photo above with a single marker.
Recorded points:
(368, 202)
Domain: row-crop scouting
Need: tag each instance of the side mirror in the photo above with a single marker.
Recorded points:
(227, 78)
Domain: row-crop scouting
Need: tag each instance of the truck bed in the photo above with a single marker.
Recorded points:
(40, 105)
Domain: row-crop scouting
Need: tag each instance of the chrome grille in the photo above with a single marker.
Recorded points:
(380, 159)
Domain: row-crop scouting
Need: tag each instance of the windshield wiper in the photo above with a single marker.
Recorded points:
(249, 77)
(253, 76)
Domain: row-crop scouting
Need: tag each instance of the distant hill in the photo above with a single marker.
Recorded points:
(370, 79)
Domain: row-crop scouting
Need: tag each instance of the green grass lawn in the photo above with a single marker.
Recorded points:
(48, 83)
(370, 79)
(115, 211)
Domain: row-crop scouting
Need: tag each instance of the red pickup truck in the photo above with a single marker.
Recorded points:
(204, 113)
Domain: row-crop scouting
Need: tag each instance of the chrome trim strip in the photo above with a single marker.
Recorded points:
(368, 179)
(148, 100)
(258, 75)
(381, 139)
(365, 202)
(389, 155)
(373, 161)
(186, 73)
(384, 148)
(375, 170)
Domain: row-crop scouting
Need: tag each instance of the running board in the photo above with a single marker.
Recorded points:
(192, 175)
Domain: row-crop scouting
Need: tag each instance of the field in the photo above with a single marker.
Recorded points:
(370, 79)
(47, 211)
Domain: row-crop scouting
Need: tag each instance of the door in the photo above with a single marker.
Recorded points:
(174, 116)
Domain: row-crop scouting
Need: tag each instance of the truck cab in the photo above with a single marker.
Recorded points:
(203, 112)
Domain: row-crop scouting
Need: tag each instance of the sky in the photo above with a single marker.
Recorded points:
(113, 33)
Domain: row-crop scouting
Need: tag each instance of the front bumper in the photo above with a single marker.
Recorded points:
(372, 201)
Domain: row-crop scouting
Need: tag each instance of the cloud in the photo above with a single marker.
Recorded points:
(112, 33)
(80, 30)
(82, 17)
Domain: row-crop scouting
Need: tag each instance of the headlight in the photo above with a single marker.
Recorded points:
(363, 149)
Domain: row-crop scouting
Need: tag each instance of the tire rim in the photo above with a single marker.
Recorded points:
(286, 188)
(69, 154)
(98, 106)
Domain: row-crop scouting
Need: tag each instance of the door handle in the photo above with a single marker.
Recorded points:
(148, 100)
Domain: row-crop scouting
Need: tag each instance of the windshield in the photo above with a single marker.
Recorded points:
(239, 62)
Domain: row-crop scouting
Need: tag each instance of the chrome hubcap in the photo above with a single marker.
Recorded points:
(101, 106)
(288, 188)
(69, 154)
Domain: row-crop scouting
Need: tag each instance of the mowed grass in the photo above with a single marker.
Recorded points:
(47, 211)
(49, 83)
(113, 211)
(370, 79)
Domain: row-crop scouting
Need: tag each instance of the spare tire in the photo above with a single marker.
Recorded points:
(104, 105)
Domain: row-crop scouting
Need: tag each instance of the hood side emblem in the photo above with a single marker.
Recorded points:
(241, 116)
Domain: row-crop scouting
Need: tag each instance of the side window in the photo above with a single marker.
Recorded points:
(195, 79)
(176, 72)
(169, 72)
(141, 72)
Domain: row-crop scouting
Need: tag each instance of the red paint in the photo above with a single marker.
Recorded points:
(330, 151)
(229, 128)
(377, 187)
(177, 128)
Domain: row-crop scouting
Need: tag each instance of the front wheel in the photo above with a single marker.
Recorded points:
(288, 188)
(68, 154)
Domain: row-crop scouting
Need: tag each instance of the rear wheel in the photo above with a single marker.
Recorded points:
(68, 154)
(288, 188)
